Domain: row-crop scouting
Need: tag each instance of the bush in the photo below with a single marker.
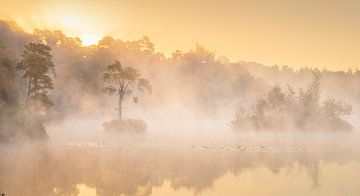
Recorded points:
(16, 125)
(292, 110)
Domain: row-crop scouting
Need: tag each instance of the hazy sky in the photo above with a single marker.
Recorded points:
(294, 32)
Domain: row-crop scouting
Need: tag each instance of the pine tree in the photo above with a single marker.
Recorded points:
(36, 62)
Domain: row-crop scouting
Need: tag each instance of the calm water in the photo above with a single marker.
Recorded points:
(130, 167)
(335, 179)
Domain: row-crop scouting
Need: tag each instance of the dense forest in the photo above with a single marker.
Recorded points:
(196, 82)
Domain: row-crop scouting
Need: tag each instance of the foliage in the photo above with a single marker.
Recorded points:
(17, 125)
(299, 111)
(37, 65)
(7, 77)
(195, 80)
(15, 121)
(123, 81)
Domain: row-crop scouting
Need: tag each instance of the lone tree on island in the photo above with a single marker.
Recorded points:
(123, 81)
(36, 62)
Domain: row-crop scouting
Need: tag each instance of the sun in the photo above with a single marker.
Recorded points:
(74, 24)
(89, 39)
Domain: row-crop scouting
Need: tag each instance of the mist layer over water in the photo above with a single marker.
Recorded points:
(180, 162)
(150, 169)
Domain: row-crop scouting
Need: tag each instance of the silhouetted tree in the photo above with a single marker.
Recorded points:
(123, 81)
(36, 62)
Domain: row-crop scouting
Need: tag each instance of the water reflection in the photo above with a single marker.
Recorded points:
(48, 169)
(85, 190)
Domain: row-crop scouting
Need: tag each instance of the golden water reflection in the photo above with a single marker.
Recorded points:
(336, 180)
(85, 190)
(106, 171)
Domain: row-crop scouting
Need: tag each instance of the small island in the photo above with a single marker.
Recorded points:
(303, 111)
(123, 81)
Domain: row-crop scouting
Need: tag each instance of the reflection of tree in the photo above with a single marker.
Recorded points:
(58, 170)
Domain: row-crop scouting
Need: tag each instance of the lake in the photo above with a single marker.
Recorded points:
(154, 167)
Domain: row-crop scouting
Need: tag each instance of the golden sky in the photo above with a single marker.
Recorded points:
(324, 33)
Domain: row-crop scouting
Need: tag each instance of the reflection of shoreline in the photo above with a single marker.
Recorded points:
(40, 169)
(157, 146)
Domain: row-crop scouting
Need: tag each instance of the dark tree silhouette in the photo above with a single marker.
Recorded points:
(36, 62)
(123, 81)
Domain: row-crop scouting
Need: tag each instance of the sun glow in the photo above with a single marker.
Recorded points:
(74, 23)
(89, 39)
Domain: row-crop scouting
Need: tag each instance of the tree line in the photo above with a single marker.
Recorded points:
(196, 81)
(289, 110)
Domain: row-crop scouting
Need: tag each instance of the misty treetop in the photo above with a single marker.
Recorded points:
(194, 81)
(210, 84)
(303, 110)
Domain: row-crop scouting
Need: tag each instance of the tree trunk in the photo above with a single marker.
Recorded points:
(28, 91)
(120, 109)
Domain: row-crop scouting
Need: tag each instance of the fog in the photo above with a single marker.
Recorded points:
(205, 118)
(139, 168)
